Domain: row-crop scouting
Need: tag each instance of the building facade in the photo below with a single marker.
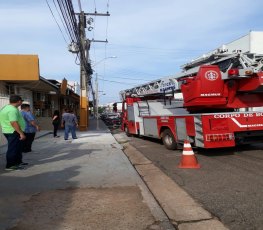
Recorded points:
(19, 74)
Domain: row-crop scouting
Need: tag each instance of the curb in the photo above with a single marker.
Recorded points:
(182, 210)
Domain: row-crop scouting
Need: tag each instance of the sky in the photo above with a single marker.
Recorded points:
(147, 39)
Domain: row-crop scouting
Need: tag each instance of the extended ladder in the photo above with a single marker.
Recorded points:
(242, 61)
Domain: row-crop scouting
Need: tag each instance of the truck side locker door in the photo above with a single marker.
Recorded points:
(131, 119)
(181, 133)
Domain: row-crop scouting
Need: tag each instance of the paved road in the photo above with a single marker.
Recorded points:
(229, 183)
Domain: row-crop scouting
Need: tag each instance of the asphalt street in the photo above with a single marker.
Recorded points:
(229, 184)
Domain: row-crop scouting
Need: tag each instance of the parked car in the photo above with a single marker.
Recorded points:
(112, 119)
(103, 116)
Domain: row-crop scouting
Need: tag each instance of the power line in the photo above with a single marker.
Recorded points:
(105, 47)
(134, 79)
(68, 14)
(125, 46)
(66, 20)
(95, 6)
(61, 19)
(125, 83)
(80, 9)
(56, 22)
(107, 24)
(129, 72)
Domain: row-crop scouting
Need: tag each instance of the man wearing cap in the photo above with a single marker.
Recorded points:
(13, 125)
(31, 127)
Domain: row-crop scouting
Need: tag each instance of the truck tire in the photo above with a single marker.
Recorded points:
(126, 129)
(169, 140)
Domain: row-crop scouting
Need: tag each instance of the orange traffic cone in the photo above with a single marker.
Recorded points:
(188, 160)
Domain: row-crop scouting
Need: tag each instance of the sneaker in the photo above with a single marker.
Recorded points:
(65, 139)
(15, 167)
(57, 136)
(23, 163)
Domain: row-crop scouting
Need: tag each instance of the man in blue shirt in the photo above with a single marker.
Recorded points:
(31, 127)
(70, 122)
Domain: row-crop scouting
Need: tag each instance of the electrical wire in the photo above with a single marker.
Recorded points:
(66, 20)
(134, 79)
(80, 9)
(71, 26)
(104, 64)
(95, 6)
(94, 29)
(105, 47)
(107, 24)
(56, 22)
(129, 72)
(125, 83)
(68, 14)
(135, 47)
(63, 23)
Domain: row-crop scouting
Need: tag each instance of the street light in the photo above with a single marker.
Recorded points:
(98, 62)
(97, 87)
(97, 103)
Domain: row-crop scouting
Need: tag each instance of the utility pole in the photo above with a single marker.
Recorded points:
(97, 97)
(84, 59)
(81, 46)
(85, 68)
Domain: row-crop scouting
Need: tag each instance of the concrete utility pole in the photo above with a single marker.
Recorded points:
(97, 97)
(84, 59)
(84, 67)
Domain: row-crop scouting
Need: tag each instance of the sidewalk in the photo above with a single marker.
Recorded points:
(87, 183)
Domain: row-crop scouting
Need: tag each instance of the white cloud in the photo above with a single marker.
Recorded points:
(150, 38)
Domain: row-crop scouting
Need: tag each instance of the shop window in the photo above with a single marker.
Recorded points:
(10, 89)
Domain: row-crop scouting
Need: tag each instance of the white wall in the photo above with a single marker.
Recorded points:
(4, 100)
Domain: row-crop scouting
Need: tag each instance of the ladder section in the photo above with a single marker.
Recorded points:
(225, 62)
(247, 61)
(144, 109)
(199, 138)
(157, 87)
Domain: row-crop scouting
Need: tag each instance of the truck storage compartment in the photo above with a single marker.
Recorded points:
(204, 89)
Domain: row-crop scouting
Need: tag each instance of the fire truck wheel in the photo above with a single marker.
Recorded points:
(126, 129)
(168, 139)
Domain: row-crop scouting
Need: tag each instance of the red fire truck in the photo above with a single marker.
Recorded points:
(216, 101)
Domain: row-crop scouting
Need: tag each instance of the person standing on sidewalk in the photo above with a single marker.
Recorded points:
(55, 122)
(13, 125)
(70, 122)
(31, 127)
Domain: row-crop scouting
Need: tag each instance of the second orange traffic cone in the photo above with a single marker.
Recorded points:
(188, 160)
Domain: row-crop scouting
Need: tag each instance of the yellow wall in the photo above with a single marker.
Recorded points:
(64, 86)
(19, 67)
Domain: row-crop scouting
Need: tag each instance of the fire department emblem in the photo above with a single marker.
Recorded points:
(211, 75)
